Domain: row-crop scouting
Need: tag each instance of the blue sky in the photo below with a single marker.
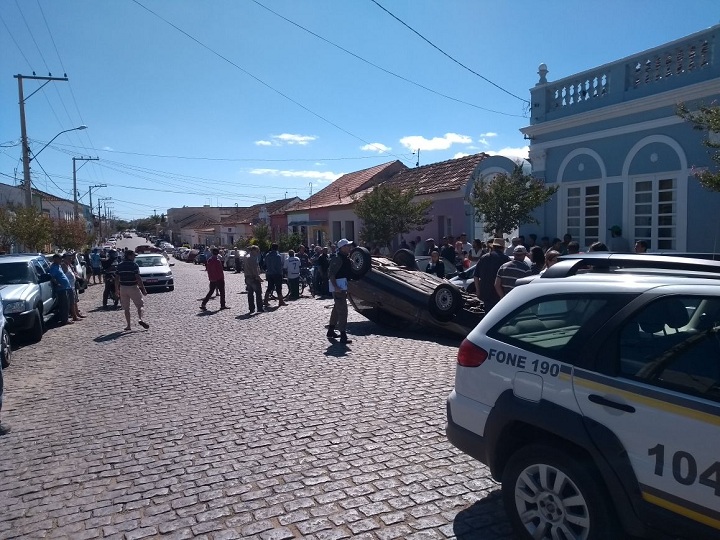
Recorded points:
(229, 102)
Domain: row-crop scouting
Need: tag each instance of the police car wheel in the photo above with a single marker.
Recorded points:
(548, 494)
(360, 261)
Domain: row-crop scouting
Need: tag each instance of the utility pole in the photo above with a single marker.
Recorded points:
(91, 204)
(75, 193)
(23, 130)
(100, 218)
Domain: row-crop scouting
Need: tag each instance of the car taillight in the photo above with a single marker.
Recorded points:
(470, 355)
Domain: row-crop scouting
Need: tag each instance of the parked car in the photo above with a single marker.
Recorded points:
(27, 294)
(155, 272)
(191, 255)
(465, 280)
(394, 293)
(81, 284)
(592, 393)
(200, 258)
(5, 348)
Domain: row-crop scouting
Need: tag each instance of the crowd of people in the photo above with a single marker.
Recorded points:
(499, 264)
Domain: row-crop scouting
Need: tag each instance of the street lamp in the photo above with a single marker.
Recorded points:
(79, 128)
(27, 159)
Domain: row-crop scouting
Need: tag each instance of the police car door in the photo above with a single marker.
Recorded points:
(664, 404)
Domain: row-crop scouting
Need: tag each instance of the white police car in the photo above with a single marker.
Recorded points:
(593, 394)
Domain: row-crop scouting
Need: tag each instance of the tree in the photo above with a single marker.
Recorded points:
(705, 119)
(29, 228)
(261, 236)
(388, 211)
(506, 201)
(289, 241)
(68, 235)
(6, 236)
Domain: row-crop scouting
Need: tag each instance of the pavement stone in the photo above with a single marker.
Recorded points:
(225, 425)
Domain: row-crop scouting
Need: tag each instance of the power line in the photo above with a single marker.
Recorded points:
(259, 80)
(446, 54)
(261, 160)
(383, 69)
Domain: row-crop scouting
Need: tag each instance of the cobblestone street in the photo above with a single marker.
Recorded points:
(228, 425)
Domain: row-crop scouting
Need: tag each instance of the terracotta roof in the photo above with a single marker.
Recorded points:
(450, 175)
(249, 214)
(341, 190)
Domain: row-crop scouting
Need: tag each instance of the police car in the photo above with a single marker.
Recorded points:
(592, 393)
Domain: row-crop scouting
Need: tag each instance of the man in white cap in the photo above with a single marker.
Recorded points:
(338, 274)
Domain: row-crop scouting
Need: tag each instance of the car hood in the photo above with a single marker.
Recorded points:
(149, 270)
(13, 293)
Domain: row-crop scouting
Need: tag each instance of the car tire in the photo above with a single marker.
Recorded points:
(405, 258)
(171, 288)
(360, 261)
(445, 301)
(36, 332)
(5, 349)
(548, 494)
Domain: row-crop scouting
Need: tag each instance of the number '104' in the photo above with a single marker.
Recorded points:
(684, 468)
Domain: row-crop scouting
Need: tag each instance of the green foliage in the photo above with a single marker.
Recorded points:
(261, 236)
(27, 227)
(146, 225)
(68, 235)
(289, 241)
(705, 119)
(507, 201)
(388, 211)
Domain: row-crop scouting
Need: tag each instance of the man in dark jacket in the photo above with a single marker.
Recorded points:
(274, 275)
(339, 273)
(486, 271)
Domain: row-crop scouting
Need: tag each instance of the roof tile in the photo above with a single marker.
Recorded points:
(450, 175)
(341, 190)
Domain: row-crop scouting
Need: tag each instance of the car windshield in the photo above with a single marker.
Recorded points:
(14, 273)
(150, 261)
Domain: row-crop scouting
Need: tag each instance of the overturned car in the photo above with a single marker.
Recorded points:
(392, 292)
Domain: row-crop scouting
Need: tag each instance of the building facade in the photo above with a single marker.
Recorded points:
(611, 139)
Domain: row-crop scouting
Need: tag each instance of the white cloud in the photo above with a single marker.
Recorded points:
(287, 138)
(459, 155)
(290, 138)
(376, 147)
(512, 153)
(488, 135)
(314, 175)
(415, 142)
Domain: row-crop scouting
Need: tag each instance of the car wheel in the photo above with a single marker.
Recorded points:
(171, 288)
(406, 258)
(360, 261)
(549, 494)
(445, 301)
(36, 332)
(5, 350)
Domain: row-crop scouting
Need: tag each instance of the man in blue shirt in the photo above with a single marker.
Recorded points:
(63, 289)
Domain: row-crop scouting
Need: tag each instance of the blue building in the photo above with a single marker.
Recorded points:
(610, 138)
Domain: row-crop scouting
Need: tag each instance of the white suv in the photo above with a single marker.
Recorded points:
(592, 393)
